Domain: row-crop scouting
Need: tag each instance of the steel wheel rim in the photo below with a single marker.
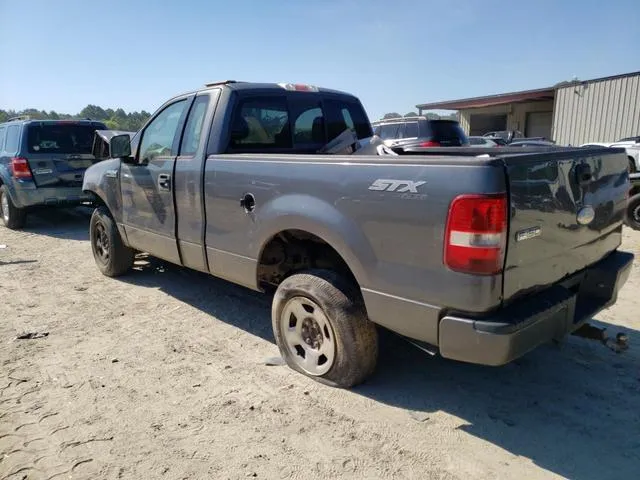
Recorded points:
(308, 336)
(635, 214)
(5, 207)
(101, 242)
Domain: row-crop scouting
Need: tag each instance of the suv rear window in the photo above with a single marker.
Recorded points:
(447, 131)
(60, 138)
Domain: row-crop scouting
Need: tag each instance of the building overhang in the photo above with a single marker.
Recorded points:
(491, 100)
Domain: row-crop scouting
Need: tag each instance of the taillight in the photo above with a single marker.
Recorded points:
(430, 143)
(476, 234)
(20, 168)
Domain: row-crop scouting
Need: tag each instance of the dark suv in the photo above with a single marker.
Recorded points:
(420, 132)
(42, 162)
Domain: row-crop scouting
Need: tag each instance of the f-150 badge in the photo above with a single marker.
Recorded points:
(400, 186)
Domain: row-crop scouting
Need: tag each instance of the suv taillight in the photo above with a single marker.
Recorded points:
(430, 143)
(476, 234)
(20, 168)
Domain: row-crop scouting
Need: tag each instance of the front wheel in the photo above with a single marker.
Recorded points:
(322, 330)
(112, 256)
(12, 216)
(633, 212)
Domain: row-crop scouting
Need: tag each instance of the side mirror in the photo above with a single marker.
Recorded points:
(120, 146)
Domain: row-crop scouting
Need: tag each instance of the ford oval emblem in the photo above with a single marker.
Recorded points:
(586, 215)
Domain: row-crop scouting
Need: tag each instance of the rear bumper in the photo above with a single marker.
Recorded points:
(32, 197)
(536, 319)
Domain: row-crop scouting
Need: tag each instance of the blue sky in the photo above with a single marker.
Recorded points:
(62, 55)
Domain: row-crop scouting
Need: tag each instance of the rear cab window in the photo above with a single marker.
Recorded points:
(61, 138)
(294, 123)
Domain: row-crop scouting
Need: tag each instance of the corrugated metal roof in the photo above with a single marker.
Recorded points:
(486, 101)
(513, 97)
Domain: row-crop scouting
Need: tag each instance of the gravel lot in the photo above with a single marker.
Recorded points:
(164, 374)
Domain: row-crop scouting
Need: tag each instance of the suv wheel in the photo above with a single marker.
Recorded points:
(12, 216)
(322, 330)
(112, 256)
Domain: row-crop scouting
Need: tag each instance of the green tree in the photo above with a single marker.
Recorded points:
(391, 115)
(411, 114)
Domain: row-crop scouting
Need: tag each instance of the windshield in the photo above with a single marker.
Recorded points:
(60, 138)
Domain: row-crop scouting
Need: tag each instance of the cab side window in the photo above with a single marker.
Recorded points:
(159, 138)
(194, 127)
(3, 132)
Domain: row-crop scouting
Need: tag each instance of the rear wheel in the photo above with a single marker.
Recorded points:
(112, 256)
(633, 212)
(12, 216)
(322, 330)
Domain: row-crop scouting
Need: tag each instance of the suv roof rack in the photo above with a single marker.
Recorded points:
(221, 82)
(401, 119)
(19, 118)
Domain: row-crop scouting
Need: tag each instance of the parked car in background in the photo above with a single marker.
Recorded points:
(505, 135)
(635, 139)
(532, 143)
(631, 146)
(483, 142)
(42, 163)
(420, 131)
(633, 204)
(268, 186)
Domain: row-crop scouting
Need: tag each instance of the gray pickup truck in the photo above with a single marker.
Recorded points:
(479, 258)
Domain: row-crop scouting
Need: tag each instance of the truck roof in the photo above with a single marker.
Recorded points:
(243, 86)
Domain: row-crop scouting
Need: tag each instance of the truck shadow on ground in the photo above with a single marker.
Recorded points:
(572, 409)
(63, 223)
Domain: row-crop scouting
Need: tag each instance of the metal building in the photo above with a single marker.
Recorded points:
(571, 113)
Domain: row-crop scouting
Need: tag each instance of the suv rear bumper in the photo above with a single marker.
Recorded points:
(54, 196)
(536, 319)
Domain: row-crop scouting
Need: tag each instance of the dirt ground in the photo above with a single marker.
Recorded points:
(165, 373)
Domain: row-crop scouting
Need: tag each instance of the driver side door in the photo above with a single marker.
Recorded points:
(148, 211)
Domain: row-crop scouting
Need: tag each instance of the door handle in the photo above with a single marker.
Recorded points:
(164, 181)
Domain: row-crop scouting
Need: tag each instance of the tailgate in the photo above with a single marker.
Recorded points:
(567, 210)
(59, 170)
(59, 152)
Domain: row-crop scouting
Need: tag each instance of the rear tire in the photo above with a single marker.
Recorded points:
(112, 256)
(12, 216)
(633, 212)
(322, 330)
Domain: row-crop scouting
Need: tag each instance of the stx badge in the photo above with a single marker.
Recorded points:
(400, 186)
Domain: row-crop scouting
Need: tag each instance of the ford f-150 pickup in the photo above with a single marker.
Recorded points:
(480, 257)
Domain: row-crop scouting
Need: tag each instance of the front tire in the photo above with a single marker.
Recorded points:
(633, 212)
(12, 216)
(322, 330)
(112, 256)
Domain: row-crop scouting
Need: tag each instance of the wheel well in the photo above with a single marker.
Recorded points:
(292, 251)
(632, 163)
(633, 191)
